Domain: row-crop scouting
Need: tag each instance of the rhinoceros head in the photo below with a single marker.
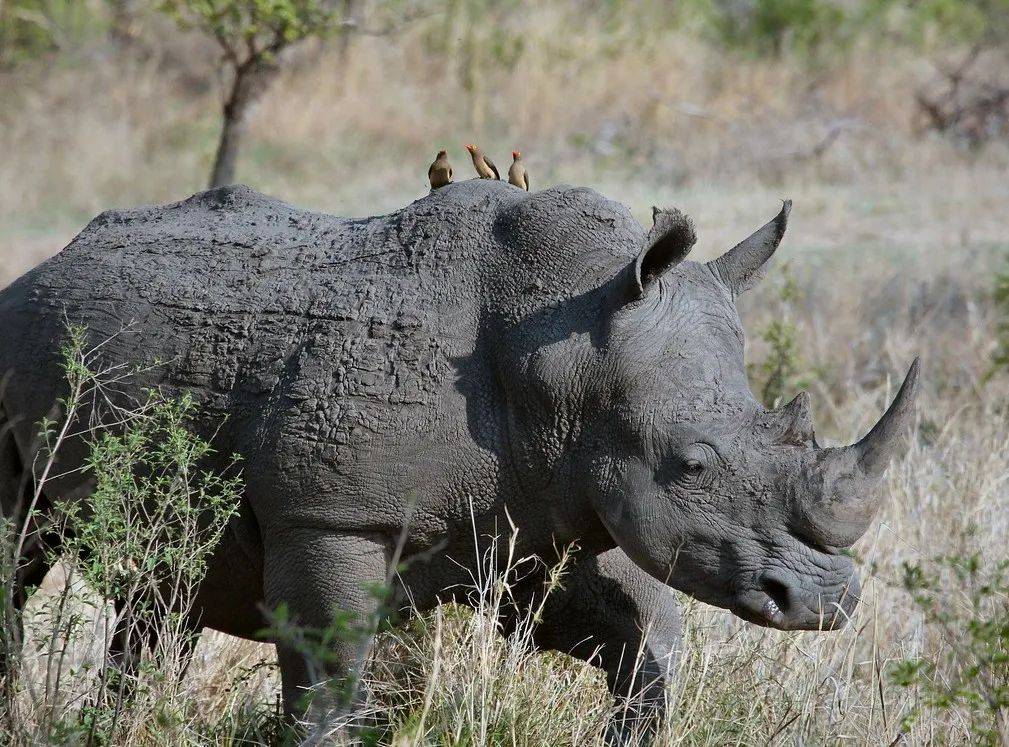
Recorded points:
(637, 386)
(696, 481)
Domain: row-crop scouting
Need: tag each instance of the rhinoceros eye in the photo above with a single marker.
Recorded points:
(695, 464)
(693, 467)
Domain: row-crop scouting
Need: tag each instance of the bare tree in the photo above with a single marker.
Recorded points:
(973, 103)
(970, 98)
(252, 35)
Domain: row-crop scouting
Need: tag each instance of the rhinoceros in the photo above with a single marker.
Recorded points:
(482, 358)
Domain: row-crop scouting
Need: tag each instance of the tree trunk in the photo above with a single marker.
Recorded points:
(349, 17)
(251, 80)
(232, 130)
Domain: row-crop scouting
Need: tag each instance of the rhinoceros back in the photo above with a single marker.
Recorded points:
(276, 317)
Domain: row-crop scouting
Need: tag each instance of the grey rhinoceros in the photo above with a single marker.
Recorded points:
(481, 357)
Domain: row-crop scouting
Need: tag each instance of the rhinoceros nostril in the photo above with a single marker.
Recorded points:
(778, 592)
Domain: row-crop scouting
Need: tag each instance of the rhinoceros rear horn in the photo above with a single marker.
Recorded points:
(743, 265)
(795, 421)
(668, 243)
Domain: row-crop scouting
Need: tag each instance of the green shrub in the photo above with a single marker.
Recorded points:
(782, 371)
(32, 28)
(967, 603)
(138, 543)
(152, 509)
(773, 27)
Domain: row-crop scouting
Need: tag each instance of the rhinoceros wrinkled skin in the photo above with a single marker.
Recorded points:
(482, 358)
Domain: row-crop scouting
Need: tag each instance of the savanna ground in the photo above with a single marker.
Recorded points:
(896, 239)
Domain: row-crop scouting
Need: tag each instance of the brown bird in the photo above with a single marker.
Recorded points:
(517, 174)
(485, 167)
(440, 171)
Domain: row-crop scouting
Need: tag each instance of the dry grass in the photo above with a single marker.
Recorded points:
(894, 239)
(645, 115)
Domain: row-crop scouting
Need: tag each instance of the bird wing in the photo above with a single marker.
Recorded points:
(449, 172)
(525, 176)
(430, 169)
(492, 167)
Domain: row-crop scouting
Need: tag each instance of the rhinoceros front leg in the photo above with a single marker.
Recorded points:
(328, 583)
(617, 617)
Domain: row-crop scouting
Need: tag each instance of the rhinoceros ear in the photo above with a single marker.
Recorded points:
(667, 244)
(743, 265)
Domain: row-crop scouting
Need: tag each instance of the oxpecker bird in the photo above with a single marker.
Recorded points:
(517, 174)
(485, 167)
(440, 171)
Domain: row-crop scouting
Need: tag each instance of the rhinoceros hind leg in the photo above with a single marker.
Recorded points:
(328, 583)
(33, 561)
(131, 639)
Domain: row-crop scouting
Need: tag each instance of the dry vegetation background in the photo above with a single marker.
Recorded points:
(896, 235)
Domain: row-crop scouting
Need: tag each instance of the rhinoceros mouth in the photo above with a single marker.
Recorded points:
(772, 612)
(779, 602)
(764, 612)
(770, 615)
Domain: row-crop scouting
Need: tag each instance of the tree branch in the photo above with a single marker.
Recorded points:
(394, 27)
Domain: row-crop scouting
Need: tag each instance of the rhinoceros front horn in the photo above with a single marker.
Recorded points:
(881, 444)
(844, 481)
(742, 266)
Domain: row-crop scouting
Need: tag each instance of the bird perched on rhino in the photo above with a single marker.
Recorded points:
(485, 167)
(440, 171)
(517, 174)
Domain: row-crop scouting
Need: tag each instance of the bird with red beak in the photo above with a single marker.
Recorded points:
(485, 167)
(517, 174)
